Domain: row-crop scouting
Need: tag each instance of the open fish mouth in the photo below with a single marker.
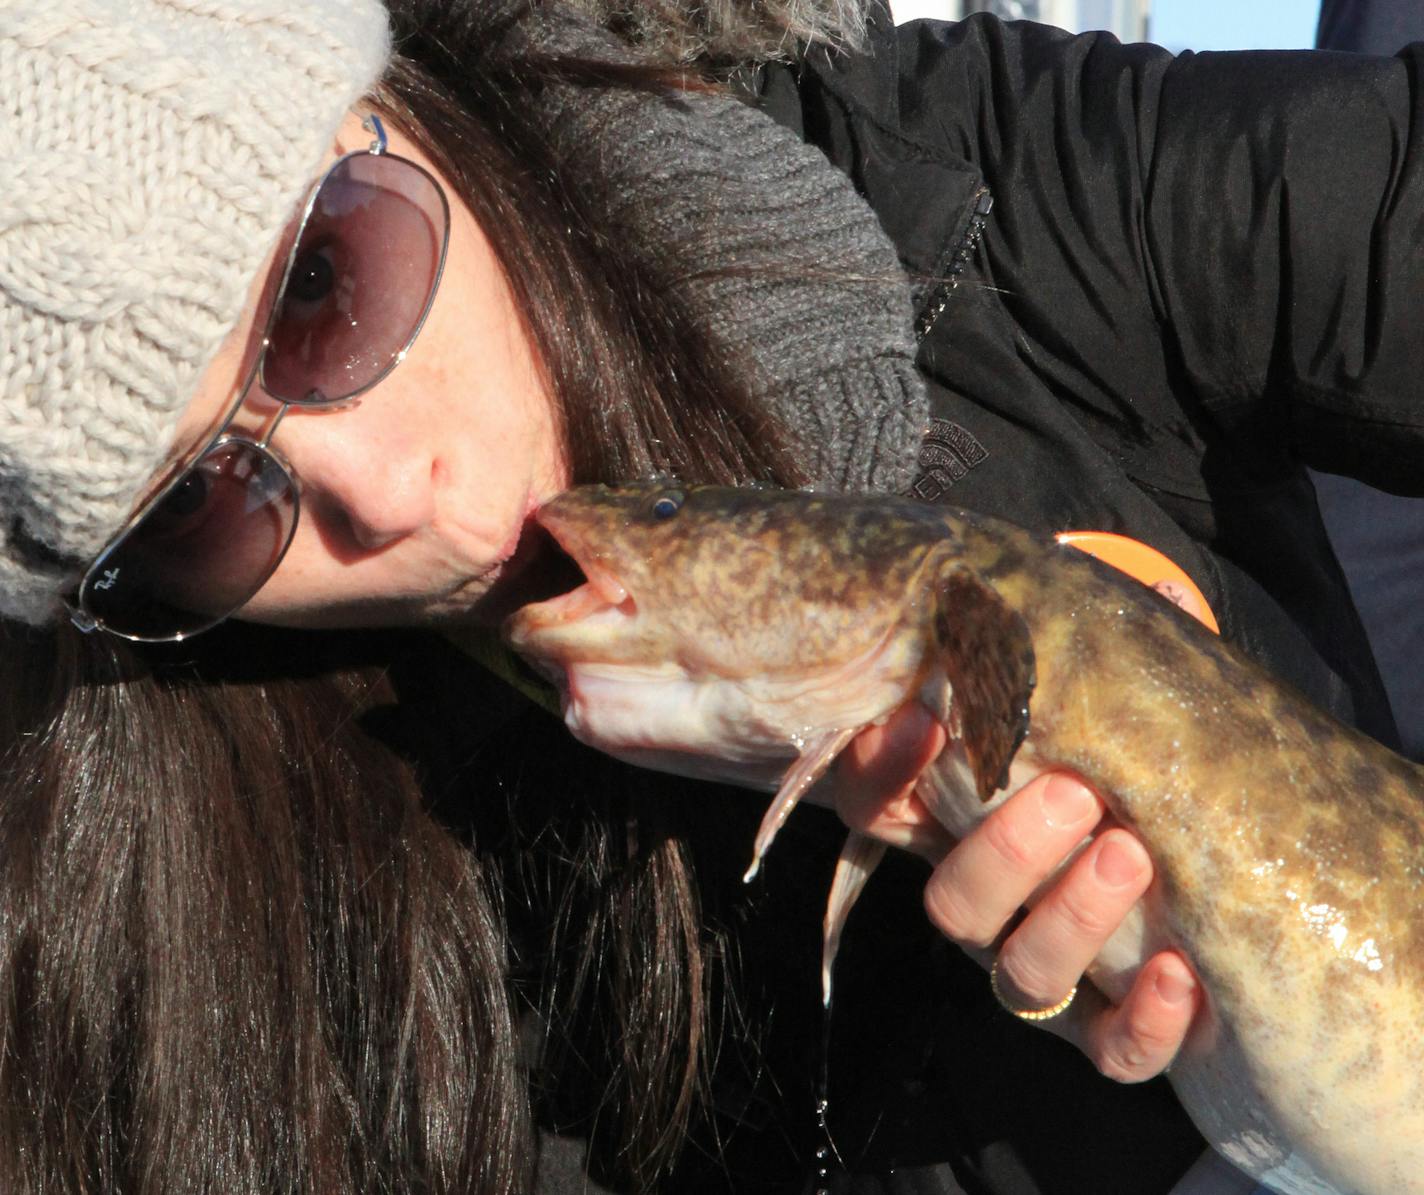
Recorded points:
(593, 587)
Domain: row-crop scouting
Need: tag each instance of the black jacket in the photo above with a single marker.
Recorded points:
(1198, 275)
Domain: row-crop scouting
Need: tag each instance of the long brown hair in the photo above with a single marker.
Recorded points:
(237, 951)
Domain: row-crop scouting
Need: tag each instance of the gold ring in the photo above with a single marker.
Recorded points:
(1028, 1014)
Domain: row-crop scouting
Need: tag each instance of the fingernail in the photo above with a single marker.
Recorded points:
(1066, 803)
(1117, 864)
(1174, 986)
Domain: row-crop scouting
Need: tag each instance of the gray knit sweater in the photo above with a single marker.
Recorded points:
(816, 306)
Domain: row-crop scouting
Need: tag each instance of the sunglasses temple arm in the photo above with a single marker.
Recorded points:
(372, 124)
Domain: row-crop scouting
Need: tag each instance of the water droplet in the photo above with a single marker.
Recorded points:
(826, 1153)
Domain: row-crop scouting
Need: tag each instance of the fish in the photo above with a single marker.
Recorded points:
(747, 635)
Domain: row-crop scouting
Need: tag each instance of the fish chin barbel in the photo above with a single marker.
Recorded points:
(748, 635)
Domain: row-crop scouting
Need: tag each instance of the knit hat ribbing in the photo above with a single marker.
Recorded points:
(155, 150)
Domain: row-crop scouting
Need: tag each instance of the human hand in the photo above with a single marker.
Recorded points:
(980, 885)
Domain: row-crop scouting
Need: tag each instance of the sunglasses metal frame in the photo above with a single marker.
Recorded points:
(95, 577)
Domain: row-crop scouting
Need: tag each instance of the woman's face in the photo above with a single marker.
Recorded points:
(413, 500)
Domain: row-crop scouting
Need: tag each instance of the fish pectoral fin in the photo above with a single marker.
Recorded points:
(988, 657)
(859, 857)
(809, 767)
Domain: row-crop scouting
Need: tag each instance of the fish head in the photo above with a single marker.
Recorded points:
(720, 581)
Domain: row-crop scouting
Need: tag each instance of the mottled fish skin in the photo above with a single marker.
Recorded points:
(1288, 850)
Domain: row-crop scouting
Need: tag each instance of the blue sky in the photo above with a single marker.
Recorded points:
(1233, 24)
(1199, 24)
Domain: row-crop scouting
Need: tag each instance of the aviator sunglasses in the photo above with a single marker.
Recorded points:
(357, 285)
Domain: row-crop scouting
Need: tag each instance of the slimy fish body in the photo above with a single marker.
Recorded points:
(748, 635)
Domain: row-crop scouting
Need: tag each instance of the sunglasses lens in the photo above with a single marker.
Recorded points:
(361, 279)
(202, 551)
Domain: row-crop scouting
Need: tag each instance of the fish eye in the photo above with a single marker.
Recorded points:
(667, 504)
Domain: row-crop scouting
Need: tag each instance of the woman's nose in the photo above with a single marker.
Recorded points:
(371, 484)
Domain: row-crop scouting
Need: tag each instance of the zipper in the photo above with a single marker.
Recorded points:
(968, 243)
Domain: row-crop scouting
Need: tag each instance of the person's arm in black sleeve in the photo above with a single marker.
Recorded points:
(1214, 246)
(1285, 222)
(1369, 26)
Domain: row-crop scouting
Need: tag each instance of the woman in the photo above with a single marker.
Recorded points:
(237, 950)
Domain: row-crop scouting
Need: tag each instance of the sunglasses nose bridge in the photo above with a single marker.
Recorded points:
(268, 429)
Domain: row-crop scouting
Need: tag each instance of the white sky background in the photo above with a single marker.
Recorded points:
(1233, 24)
(1200, 24)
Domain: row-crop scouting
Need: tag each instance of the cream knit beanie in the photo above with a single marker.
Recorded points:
(154, 151)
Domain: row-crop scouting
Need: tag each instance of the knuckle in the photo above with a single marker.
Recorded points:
(1155, 1043)
(1029, 977)
(1125, 1065)
(1139, 1051)
(1003, 835)
(954, 917)
(1085, 915)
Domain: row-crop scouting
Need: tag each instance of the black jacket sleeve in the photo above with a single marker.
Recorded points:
(1295, 308)
(1256, 218)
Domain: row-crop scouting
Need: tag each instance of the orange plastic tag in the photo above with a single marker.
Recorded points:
(1145, 564)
